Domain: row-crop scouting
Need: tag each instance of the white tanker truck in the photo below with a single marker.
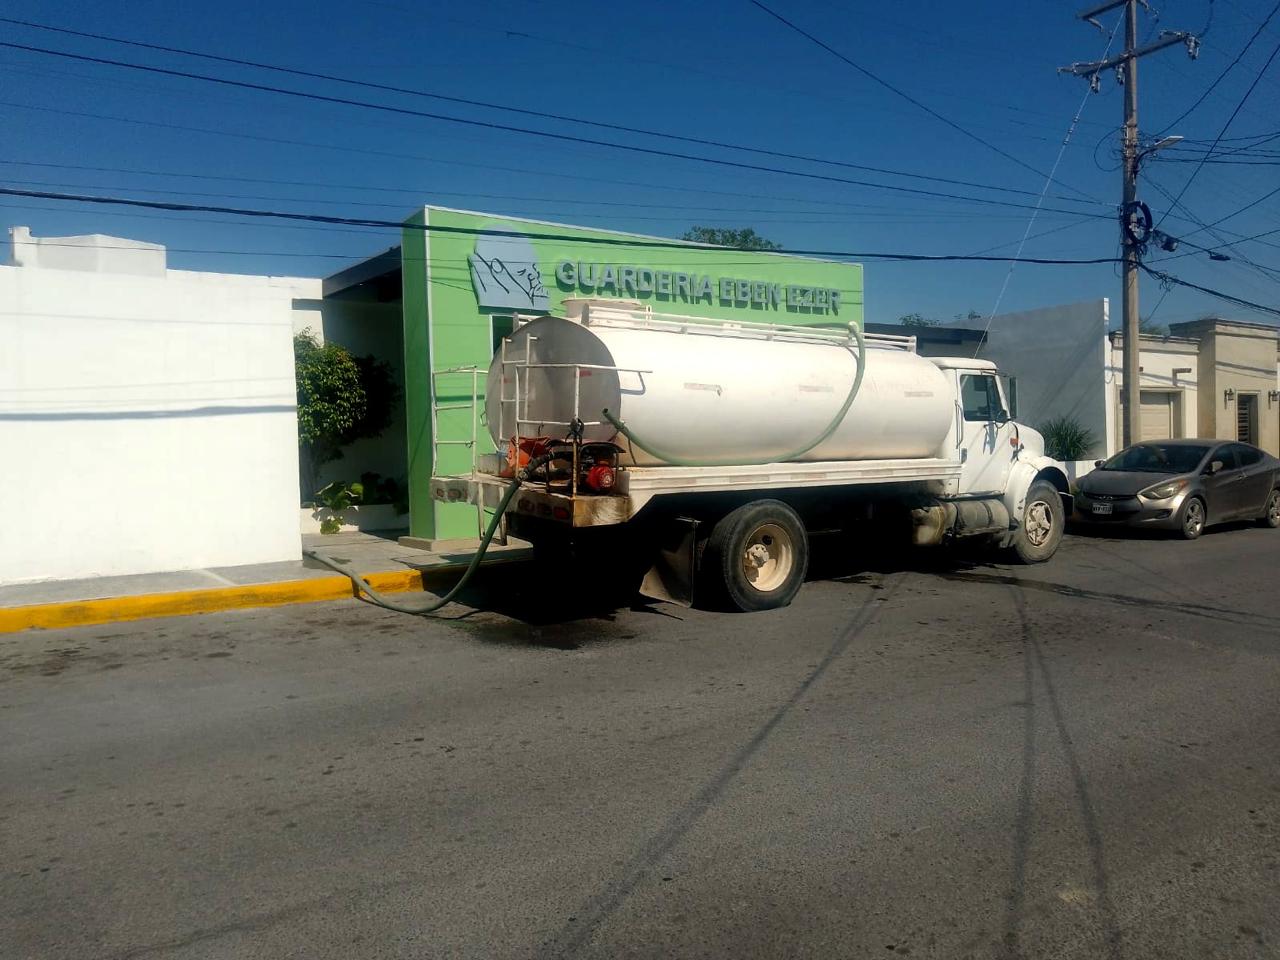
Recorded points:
(699, 456)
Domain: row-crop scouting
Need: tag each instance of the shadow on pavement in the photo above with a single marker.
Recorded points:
(528, 604)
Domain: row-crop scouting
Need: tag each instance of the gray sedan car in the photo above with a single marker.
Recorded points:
(1182, 485)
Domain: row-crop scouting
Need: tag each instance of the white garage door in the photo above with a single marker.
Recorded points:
(1157, 415)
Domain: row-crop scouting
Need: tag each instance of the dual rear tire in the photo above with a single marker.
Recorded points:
(755, 559)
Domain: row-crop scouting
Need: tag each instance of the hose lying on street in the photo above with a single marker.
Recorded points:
(362, 585)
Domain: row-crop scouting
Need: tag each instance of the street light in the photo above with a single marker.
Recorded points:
(1160, 145)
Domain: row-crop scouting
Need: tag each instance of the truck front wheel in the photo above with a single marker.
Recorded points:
(1043, 520)
(756, 557)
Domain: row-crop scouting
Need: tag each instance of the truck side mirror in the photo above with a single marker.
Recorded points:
(1001, 417)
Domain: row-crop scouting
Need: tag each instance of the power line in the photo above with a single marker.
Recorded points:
(418, 192)
(650, 151)
(1266, 271)
(1238, 301)
(912, 100)
(487, 232)
(364, 151)
(1208, 90)
(1234, 113)
(677, 216)
(543, 115)
(1026, 233)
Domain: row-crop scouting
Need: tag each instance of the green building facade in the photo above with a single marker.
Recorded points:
(466, 274)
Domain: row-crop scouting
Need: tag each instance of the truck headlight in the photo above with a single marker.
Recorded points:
(1163, 491)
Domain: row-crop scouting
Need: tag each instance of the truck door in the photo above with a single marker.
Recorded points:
(986, 455)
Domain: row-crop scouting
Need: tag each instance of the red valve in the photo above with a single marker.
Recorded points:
(600, 478)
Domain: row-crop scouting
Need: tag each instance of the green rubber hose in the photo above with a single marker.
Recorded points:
(659, 454)
(362, 585)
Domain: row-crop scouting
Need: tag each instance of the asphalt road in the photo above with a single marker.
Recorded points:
(956, 759)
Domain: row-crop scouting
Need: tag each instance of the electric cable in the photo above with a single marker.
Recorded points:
(543, 115)
(1208, 90)
(1026, 233)
(347, 148)
(488, 232)
(912, 100)
(418, 192)
(1225, 126)
(1229, 298)
(490, 125)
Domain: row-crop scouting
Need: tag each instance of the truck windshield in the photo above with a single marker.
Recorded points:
(1158, 458)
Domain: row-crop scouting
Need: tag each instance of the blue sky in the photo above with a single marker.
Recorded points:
(720, 69)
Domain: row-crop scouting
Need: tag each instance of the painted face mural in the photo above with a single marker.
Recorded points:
(505, 274)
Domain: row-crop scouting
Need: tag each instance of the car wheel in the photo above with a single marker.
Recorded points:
(1191, 522)
(1271, 515)
(756, 557)
(1043, 520)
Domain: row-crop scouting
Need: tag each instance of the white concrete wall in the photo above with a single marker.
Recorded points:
(1059, 356)
(148, 421)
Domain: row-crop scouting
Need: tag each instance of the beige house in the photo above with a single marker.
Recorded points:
(1209, 378)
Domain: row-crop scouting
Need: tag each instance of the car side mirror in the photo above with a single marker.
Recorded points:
(1215, 467)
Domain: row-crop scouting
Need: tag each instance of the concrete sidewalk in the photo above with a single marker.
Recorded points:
(380, 558)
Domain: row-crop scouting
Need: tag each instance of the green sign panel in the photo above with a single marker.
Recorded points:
(465, 274)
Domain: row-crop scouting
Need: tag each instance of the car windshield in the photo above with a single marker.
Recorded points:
(1158, 458)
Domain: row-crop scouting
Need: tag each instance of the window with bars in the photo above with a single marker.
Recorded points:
(1247, 417)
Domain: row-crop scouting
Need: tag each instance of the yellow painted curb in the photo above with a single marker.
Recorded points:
(81, 613)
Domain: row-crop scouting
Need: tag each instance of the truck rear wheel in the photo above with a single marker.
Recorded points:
(756, 557)
(1043, 520)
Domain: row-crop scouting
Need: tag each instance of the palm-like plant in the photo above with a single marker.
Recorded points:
(1065, 438)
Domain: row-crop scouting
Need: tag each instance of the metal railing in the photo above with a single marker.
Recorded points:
(646, 319)
(469, 405)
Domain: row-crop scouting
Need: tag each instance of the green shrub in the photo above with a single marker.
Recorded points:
(341, 399)
(337, 497)
(1065, 438)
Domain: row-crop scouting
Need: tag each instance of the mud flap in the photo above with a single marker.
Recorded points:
(675, 563)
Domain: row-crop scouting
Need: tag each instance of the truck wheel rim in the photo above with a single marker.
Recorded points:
(768, 557)
(1195, 517)
(1039, 523)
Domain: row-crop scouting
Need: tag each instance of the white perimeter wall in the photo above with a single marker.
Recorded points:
(1059, 356)
(147, 423)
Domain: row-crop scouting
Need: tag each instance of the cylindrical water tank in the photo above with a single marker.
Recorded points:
(710, 397)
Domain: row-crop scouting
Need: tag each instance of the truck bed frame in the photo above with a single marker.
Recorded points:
(637, 486)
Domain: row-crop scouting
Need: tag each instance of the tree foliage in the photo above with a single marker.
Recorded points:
(744, 239)
(1148, 327)
(920, 320)
(917, 320)
(341, 399)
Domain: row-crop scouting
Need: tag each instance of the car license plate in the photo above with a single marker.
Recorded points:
(1102, 508)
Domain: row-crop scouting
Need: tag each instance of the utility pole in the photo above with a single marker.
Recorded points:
(1135, 217)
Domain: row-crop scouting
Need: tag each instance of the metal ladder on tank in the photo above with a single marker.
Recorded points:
(472, 444)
